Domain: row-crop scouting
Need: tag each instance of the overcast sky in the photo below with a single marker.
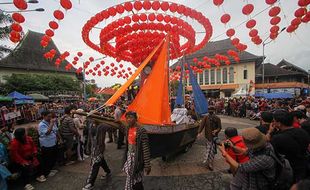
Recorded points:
(292, 47)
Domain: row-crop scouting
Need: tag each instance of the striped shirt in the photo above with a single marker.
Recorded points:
(67, 126)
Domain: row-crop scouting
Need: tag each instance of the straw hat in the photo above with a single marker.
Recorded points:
(253, 138)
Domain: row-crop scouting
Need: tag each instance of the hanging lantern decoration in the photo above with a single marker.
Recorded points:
(271, 2)
(53, 25)
(303, 3)
(225, 18)
(218, 2)
(251, 24)
(248, 9)
(59, 15)
(49, 32)
(230, 32)
(66, 4)
(253, 33)
(235, 41)
(274, 11)
(274, 29)
(300, 12)
(80, 54)
(291, 29)
(296, 21)
(20, 4)
(16, 27)
(17, 17)
(275, 20)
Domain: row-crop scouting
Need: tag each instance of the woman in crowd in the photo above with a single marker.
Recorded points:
(23, 154)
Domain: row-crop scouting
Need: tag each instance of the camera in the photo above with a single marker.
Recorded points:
(226, 144)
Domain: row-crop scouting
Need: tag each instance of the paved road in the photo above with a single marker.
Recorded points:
(184, 172)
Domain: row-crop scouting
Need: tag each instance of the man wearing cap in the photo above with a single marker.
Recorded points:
(259, 170)
(137, 153)
(212, 126)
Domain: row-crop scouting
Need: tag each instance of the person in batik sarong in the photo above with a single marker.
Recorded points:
(212, 125)
(137, 153)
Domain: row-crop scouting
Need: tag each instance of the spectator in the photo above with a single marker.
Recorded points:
(265, 120)
(291, 142)
(79, 125)
(234, 142)
(68, 133)
(4, 172)
(298, 118)
(301, 185)
(259, 170)
(48, 141)
(23, 154)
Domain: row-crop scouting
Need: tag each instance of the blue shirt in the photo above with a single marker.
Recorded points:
(50, 139)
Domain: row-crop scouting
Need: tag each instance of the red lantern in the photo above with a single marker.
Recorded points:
(275, 20)
(271, 2)
(230, 32)
(296, 22)
(49, 32)
(155, 5)
(195, 60)
(235, 41)
(15, 35)
(248, 9)
(91, 59)
(53, 25)
(303, 3)
(300, 12)
(128, 6)
(80, 54)
(253, 33)
(59, 15)
(225, 18)
(274, 29)
(147, 5)
(273, 36)
(120, 9)
(66, 4)
(160, 17)
(137, 5)
(143, 17)
(16, 27)
(17, 17)
(164, 6)
(251, 24)
(218, 2)
(274, 11)
(112, 11)
(20, 4)
(291, 29)
(173, 7)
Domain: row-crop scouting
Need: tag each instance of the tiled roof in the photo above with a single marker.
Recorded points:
(107, 91)
(289, 66)
(274, 70)
(28, 55)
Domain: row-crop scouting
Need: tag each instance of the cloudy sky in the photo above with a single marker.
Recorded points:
(292, 47)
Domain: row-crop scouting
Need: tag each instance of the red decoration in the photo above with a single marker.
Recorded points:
(251, 24)
(300, 12)
(59, 15)
(296, 21)
(274, 11)
(17, 17)
(303, 3)
(275, 20)
(230, 32)
(147, 5)
(218, 2)
(20, 4)
(91, 59)
(235, 41)
(274, 29)
(273, 36)
(248, 9)
(137, 5)
(53, 25)
(80, 54)
(164, 6)
(291, 29)
(225, 18)
(66, 4)
(253, 33)
(156, 5)
(112, 11)
(49, 32)
(16, 27)
(271, 2)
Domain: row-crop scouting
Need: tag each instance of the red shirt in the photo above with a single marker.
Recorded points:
(237, 141)
(132, 133)
(20, 153)
(296, 125)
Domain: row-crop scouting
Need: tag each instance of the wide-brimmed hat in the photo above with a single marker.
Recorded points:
(253, 138)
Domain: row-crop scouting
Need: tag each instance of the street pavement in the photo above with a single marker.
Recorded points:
(182, 172)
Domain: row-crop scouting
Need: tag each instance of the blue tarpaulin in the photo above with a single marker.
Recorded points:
(21, 98)
(275, 95)
(180, 98)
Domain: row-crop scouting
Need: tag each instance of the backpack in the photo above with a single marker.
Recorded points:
(284, 173)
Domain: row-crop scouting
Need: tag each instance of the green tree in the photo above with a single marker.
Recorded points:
(5, 29)
(91, 89)
(39, 82)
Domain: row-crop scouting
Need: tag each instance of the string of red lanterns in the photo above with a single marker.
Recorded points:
(18, 18)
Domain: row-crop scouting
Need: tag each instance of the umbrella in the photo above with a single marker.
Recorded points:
(5, 99)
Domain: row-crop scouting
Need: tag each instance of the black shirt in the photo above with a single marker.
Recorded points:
(263, 128)
(292, 143)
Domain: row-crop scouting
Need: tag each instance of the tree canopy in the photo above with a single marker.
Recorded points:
(39, 82)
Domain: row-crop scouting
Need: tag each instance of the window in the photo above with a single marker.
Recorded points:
(200, 78)
(245, 74)
(218, 76)
(206, 76)
(224, 75)
(212, 76)
(231, 75)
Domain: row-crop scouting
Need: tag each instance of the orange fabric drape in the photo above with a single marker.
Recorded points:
(123, 88)
(152, 102)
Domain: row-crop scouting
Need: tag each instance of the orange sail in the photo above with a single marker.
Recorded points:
(123, 88)
(152, 102)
